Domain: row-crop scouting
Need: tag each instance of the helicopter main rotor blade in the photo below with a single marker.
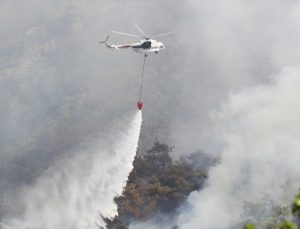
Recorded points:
(126, 34)
(162, 34)
(140, 30)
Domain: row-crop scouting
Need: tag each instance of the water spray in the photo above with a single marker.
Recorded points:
(77, 191)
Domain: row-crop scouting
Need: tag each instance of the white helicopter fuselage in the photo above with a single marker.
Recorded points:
(142, 46)
(148, 46)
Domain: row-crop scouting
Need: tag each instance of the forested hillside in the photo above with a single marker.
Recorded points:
(156, 185)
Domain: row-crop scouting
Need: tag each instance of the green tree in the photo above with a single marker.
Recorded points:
(249, 226)
(296, 206)
(155, 185)
(287, 225)
(159, 157)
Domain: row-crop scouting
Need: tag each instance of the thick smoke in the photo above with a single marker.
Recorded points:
(226, 46)
(260, 158)
(75, 192)
(259, 163)
(60, 90)
(250, 68)
(259, 125)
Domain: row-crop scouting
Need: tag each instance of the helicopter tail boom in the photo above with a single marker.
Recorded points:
(108, 44)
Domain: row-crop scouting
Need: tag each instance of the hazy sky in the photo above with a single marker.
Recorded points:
(60, 89)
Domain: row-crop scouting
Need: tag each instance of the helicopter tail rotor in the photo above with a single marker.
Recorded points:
(102, 42)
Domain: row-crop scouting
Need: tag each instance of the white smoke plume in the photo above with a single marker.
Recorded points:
(77, 191)
(257, 129)
(260, 127)
(60, 88)
(261, 130)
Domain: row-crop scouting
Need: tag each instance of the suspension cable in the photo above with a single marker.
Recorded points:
(142, 77)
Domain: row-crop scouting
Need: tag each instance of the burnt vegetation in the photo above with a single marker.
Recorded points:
(156, 185)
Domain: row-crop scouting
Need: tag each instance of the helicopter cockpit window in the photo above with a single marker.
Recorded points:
(146, 45)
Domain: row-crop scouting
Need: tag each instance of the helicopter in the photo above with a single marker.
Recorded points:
(146, 45)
